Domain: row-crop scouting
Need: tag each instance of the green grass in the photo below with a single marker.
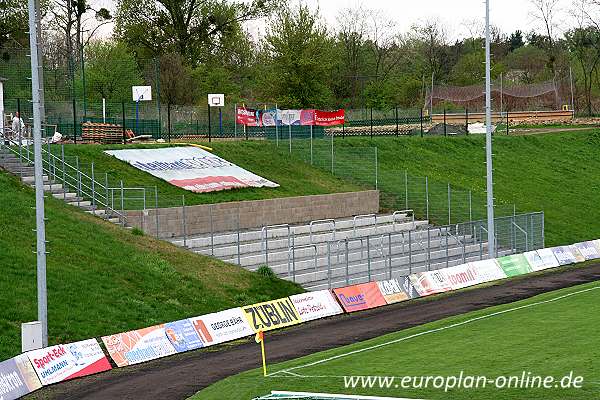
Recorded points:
(294, 177)
(549, 339)
(103, 279)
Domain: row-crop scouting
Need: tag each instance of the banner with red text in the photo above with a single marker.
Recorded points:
(316, 305)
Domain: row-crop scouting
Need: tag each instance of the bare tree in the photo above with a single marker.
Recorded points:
(546, 12)
(352, 33)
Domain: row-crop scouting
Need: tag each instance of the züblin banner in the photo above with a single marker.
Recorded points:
(191, 168)
(272, 315)
(272, 117)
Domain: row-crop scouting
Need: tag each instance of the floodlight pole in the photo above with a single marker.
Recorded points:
(488, 137)
(39, 183)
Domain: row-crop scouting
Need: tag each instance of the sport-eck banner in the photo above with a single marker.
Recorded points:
(222, 326)
(271, 315)
(514, 265)
(431, 282)
(67, 361)
(191, 168)
(138, 346)
(541, 259)
(396, 290)
(247, 116)
(316, 305)
(360, 297)
(17, 378)
(329, 118)
(588, 250)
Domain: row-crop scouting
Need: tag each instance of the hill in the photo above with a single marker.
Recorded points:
(104, 279)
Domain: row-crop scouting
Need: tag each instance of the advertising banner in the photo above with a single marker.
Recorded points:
(270, 117)
(396, 290)
(430, 282)
(247, 116)
(329, 118)
(575, 251)
(588, 250)
(191, 168)
(487, 270)
(514, 265)
(183, 336)
(541, 259)
(316, 305)
(461, 276)
(564, 255)
(271, 315)
(67, 361)
(134, 347)
(290, 117)
(17, 378)
(360, 297)
(221, 327)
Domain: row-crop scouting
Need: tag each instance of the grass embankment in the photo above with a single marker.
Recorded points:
(295, 177)
(103, 279)
(543, 337)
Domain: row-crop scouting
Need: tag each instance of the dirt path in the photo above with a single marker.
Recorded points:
(179, 377)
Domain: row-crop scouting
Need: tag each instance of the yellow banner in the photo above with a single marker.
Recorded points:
(272, 315)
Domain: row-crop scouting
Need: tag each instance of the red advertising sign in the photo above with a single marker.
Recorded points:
(329, 118)
(360, 297)
(247, 116)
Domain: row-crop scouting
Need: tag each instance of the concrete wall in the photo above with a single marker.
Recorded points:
(253, 214)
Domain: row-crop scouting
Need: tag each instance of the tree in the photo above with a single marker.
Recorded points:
(299, 52)
(432, 40)
(516, 40)
(192, 28)
(111, 71)
(545, 11)
(13, 21)
(584, 43)
(530, 62)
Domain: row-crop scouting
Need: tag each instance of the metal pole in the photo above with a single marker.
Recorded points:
(156, 210)
(507, 123)
(376, 171)
(83, 82)
(184, 220)
(501, 97)
(238, 237)
(445, 131)
(74, 123)
(220, 121)
(488, 141)
(396, 113)
(93, 192)
(169, 122)
(470, 206)
(209, 125)
(103, 110)
(431, 97)
(421, 121)
(467, 120)
(39, 180)
(123, 119)
(406, 189)
(122, 203)
(235, 121)
(290, 135)
(449, 205)
(311, 144)
(572, 96)
(64, 174)
(276, 125)
(332, 134)
(371, 122)
(427, 197)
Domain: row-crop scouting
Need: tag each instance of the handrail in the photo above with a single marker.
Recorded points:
(363, 216)
(292, 250)
(264, 238)
(459, 242)
(321, 221)
(395, 213)
(524, 232)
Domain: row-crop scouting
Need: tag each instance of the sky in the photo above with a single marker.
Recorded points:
(455, 15)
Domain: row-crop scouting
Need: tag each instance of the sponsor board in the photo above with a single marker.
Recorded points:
(329, 118)
(588, 250)
(487, 270)
(430, 282)
(360, 297)
(579, 257)
(316, 305)
(271, 315)
(247, 116)
(564, 255)
(541, 259)
(221, 326)
(191, 168)
(67, 361)
(514, 265)
(17, 378)
(461, 276)
(398, 289)
(183, 336)
(134, 347)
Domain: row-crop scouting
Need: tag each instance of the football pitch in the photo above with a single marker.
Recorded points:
(514, 348)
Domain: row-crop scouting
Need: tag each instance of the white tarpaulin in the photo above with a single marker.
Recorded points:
(191, 168)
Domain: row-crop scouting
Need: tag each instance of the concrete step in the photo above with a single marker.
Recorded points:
(68, 196)
(30, 179)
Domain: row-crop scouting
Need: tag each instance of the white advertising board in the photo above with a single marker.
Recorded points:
(222, 326)
(316, 305)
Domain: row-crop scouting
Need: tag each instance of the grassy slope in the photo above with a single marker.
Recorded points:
(558, 337)
(103, 279)
(295, 178)
(554, 173)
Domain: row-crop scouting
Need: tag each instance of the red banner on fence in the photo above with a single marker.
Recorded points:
(329, 118)
(360, 297)
(247, 116)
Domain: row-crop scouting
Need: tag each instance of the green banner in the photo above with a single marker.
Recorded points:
(514, 265)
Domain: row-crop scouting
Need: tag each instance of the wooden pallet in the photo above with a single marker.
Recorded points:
(103, 133)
